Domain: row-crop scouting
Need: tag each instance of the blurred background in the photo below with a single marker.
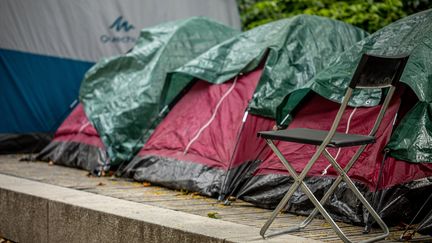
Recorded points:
(369, 15)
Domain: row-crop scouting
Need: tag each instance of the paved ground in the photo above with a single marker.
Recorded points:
(239, 212)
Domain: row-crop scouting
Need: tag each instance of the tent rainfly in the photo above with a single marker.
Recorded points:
(208, 139)
(120, 94)
(395, 172)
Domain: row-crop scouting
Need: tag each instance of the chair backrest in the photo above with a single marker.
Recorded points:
(373, 72)
(378, 71)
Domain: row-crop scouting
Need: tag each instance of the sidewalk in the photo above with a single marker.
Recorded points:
(48, 203)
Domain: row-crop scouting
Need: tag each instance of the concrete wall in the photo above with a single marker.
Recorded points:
(31, 211)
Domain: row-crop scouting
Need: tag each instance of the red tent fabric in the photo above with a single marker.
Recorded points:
(76, 143)
(207, 144)
(184, 135)
(397, 188)
(319, 113)
(195, 145)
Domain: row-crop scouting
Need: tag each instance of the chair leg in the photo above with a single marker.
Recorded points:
(288, 195)
(324, 213)
(335, 183)
(276, 211)
(362, 199)
(298, 181)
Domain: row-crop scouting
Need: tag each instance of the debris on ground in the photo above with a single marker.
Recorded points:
(213, 215)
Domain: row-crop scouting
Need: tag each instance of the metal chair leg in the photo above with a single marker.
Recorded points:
(298, 179)
(288, 195)
(298, 182)
(336, 183)
(333, 187)
(362, 199)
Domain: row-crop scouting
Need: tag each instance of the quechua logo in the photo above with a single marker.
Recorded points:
(120, 24)
(121, 27)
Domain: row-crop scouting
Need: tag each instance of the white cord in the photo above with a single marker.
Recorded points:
(83, 126)
(212, 117)
(324, 172)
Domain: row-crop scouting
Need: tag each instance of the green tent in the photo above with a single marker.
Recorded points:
(296, 49)
(121, 95)
(208, 141)
(412, 138)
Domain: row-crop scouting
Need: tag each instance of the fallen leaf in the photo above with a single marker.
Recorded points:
(101, 184)
(137, 184)
(196, 195)
(146, 184)
(213, 215)
(325, 224)
(184, 192)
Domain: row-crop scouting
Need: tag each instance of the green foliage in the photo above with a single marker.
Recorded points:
(370, 15)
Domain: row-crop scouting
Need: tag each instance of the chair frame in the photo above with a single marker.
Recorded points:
(342, 172)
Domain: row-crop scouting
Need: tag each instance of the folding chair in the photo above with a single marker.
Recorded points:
(373, 72)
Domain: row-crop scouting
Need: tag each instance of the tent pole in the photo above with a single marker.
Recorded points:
(251, 169)
(222, 194)
(405, 237)
(374, 197)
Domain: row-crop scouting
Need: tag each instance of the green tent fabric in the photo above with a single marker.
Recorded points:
(121, 95)
(296, 49)
(412, 139)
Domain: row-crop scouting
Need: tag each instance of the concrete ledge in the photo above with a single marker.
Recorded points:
(31, 211)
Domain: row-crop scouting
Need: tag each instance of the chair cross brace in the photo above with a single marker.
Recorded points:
(298, 182)
(372, 72)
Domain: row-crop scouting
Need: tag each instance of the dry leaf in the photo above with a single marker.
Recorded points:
(325, 224)
(184, 192)
(101, 184)
(213, 215)
(146, 184)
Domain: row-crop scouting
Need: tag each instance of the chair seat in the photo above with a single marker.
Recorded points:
(316, 137)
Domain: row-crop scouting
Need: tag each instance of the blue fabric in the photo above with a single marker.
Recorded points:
(36, 91)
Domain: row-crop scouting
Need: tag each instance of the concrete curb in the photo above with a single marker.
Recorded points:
(31, 211)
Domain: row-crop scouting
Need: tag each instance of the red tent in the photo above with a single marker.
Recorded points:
(397, 185)
(208, 144)
(76, 143)
(201, 138)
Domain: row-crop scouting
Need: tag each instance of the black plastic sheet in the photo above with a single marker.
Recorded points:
(395, 204)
